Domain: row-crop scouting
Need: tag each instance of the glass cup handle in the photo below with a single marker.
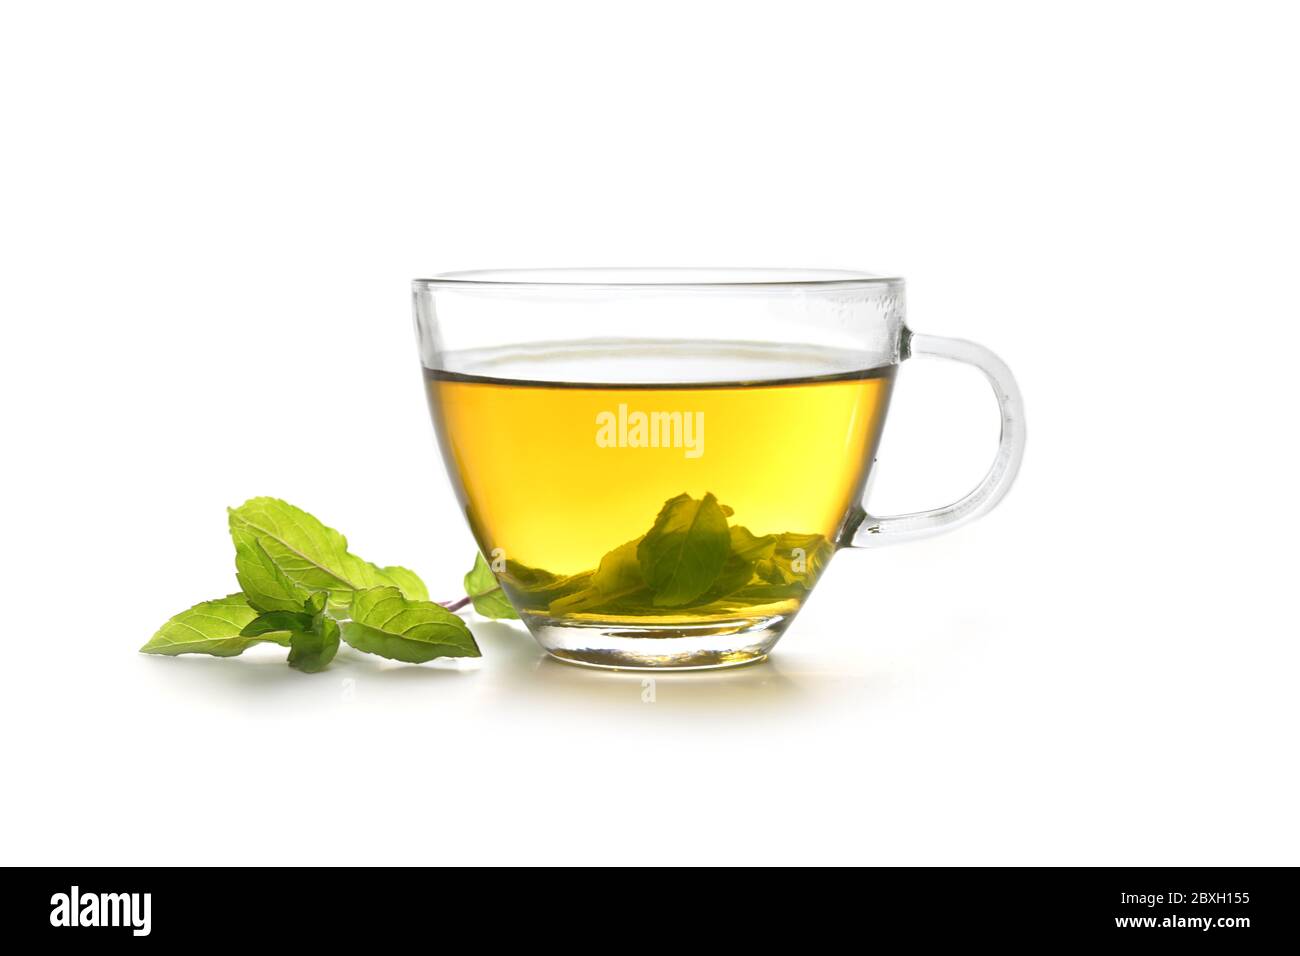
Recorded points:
(873, 531)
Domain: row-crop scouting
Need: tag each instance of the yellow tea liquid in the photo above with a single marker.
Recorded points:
(605, 485)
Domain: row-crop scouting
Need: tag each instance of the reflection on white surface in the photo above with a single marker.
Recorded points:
(513, 672)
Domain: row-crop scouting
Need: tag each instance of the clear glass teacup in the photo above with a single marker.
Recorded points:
(632, 447)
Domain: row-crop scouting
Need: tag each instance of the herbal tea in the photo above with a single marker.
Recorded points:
(598, 497)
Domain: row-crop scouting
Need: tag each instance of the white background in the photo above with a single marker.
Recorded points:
(209, 217)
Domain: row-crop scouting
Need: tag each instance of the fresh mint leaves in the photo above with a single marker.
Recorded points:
(263, 583)
(485, 591)
(304, 590)
(313, 634)
(213, 627)
(384, 622)
(310, 556)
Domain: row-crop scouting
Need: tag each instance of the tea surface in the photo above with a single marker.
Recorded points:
(601, 497)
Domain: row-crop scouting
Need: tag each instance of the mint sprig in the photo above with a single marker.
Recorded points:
(307, 556)
(305, 590)
(213, 627)
(313, 634)
(384, 622)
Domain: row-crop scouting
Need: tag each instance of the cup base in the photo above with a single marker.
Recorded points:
(654, 648)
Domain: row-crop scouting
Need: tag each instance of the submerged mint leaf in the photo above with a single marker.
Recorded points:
(213, 627)
(748, 547)
(618, 576)
(485, 591)
(681, 556)
(525, 578)
(798, 559)
(620, 570)
(386, 623)
(540, 586)
(747, 551)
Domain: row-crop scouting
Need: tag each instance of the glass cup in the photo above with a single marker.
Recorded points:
(658, 464)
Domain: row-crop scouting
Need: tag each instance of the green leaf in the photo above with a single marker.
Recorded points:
(485, 591)
(264, 584)
(311, 650)
(388, 624)
(748, 547)
(798, 559)
(539, 586)
(273, 621)
(746, 551)
(310, 555)
(681, 556)
(524, 578)
(619, 571)
(311, 634)
(407, 581)
(213, 627)
(618, 575)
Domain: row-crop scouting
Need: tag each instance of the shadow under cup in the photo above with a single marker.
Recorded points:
(659, 464)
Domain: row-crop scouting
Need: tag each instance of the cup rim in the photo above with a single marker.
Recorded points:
(656, 277)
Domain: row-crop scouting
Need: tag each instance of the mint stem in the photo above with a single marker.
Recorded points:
(455, 605)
